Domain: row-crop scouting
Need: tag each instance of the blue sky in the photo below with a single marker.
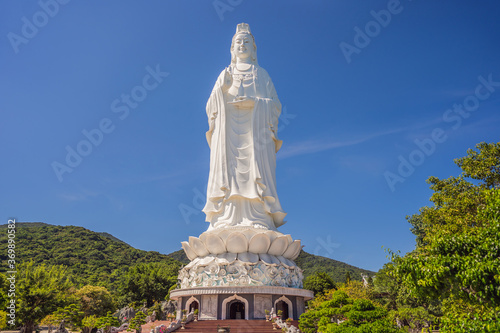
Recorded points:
(371, 90)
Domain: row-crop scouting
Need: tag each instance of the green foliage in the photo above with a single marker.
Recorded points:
(335, 269)
(342, 313)
(347, 277)
(95, 300)
(466, 264)
(3, 320)
(71, 314)
(414, 318)
(137, 322)
(357, 290)
(149, 282)
(155, 308)
(92, 258)
(40, 291)
(106, 322)
(461, 317)
(457, 259)
(393, 294)
(89, 323)
(50, 321)
(4, 287)
(483, 164)
(319, 282)
(173, 287)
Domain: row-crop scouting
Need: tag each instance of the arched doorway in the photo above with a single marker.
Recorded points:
(236, 310)
(283, 306)
(193, 306)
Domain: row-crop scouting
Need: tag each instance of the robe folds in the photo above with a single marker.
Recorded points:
(243, 145)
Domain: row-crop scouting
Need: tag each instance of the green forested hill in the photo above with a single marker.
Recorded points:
(93, 258)
(311, 264)
(99, 258)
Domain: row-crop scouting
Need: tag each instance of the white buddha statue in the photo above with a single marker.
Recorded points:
(243, 111)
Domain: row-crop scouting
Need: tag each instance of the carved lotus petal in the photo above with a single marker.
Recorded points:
(289, 238)
(296, 254)
(285, 261)
(236, 243)
(259, 243)
(214, 244)
(203, 236)
(224, 234)
(272, 235)
(292, 249)
(198, 246)
(226, 258)
(189, 252)
(278, 246)
(249, 258)
(275, 260)
(249, 233)
(266, 258)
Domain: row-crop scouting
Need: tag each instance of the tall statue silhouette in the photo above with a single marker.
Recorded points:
(243, 111)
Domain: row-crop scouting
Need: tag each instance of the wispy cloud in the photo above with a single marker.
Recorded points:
(317, 145)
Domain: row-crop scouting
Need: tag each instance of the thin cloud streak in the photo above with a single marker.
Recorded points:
(314, 146)
(317, 145)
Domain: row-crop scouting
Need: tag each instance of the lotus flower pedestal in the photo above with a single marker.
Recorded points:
(239, 273)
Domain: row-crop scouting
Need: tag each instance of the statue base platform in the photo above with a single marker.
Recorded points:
(241, 302)
(239, 273)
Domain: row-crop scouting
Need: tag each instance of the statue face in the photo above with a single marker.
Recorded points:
(243, 46)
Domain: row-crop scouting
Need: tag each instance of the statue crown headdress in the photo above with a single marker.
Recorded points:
(243, 28)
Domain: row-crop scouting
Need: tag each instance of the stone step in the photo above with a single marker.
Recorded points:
(236, 325)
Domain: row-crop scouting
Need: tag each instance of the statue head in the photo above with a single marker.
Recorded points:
(243, 44)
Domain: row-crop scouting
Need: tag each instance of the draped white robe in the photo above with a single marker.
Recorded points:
(243, 144)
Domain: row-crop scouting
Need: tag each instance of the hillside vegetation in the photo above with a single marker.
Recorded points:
(91, 257)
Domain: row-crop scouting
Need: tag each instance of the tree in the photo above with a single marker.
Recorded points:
(137, 322)
(105, 323)
(95, 300)
(40, 291)
(393, 294)
(319, 283)
(457, 255)
(347, 277)
(149, 282)
(89, 323)
(342, 314)
(50, 321)
(71, 314)
(415, 318)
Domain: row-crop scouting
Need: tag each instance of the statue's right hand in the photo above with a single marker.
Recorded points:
(228, 81)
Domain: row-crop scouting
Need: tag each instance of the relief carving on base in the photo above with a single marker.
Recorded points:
(262, 303)
(238, 273)
(208, 307)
